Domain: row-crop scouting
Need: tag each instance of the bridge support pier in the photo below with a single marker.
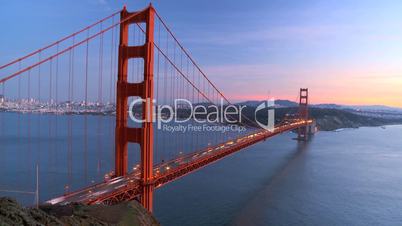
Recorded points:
(145, 90)
(303, 132)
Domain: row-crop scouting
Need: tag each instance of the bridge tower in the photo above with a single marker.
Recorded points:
(302, 133)
(145, 90)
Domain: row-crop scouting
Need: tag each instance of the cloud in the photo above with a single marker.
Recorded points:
(278, 33)
(255, 81)
(379, 76)
(104, 4)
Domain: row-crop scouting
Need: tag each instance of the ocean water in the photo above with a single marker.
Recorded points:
(352, 177)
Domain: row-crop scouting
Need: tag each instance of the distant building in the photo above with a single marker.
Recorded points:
(1, 99)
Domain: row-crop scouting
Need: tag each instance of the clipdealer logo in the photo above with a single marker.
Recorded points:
(270, 124)
(231, 115)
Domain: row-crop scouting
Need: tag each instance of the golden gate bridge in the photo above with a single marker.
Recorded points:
(99, 70)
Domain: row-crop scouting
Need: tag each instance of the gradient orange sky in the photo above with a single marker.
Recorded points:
(371, 86)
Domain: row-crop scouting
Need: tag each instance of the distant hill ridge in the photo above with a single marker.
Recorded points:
(288, 103)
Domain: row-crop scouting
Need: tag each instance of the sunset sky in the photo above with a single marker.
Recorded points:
(346, 52)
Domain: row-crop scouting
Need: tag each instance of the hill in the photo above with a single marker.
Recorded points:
(328, 118)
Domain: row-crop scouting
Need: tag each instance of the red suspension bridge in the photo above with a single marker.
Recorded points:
(99, 70)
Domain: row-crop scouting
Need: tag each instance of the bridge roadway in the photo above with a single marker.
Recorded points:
(129, 187)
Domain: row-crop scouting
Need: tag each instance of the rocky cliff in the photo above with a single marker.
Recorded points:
(127, 213)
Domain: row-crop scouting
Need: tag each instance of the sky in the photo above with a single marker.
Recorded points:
(344, 51)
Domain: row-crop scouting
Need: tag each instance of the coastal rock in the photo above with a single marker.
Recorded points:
(126, 213)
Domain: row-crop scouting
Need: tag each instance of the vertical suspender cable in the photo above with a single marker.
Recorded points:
(86, 114)
(38, 155)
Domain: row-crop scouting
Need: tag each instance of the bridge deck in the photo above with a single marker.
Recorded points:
(129, 186)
